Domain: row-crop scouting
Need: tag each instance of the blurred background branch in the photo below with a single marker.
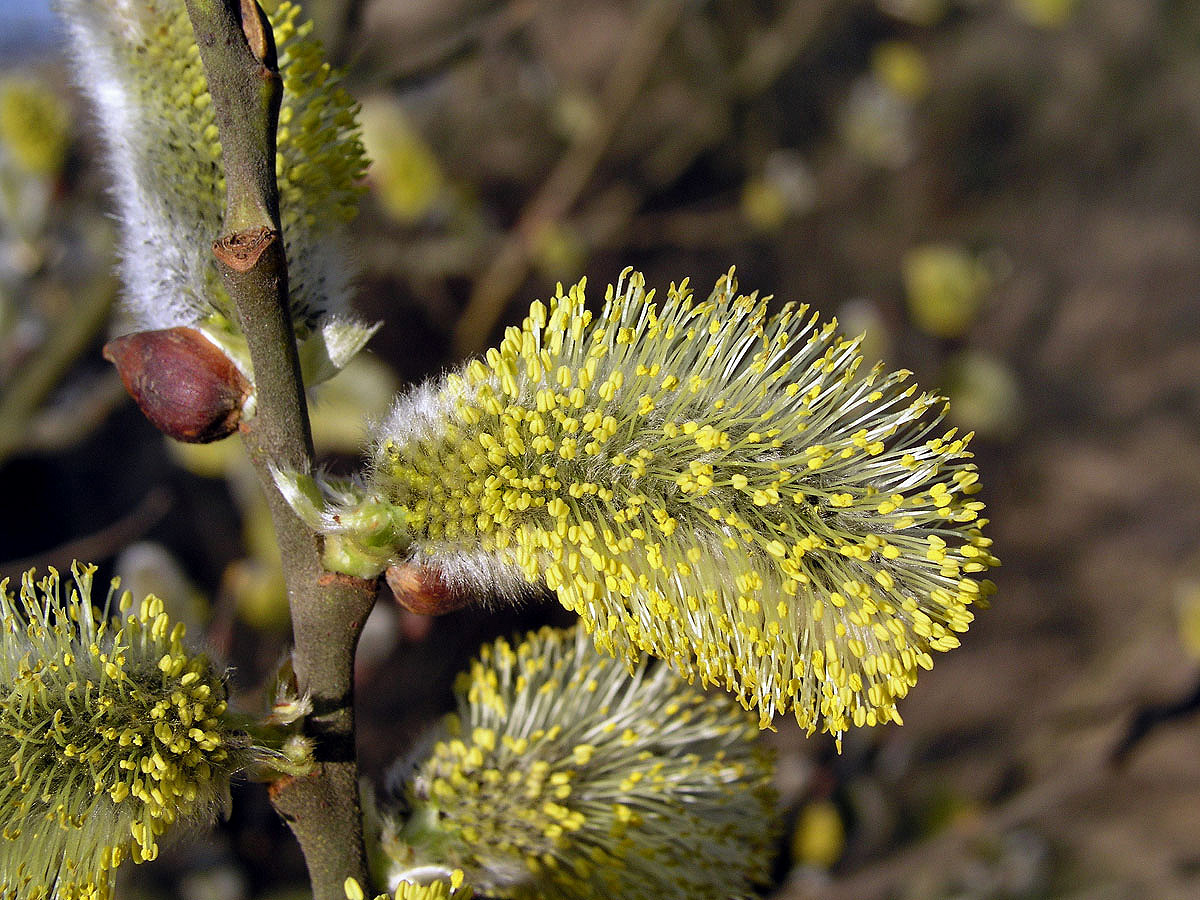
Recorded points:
(24, 394)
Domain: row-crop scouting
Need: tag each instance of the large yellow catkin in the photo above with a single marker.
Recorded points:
(724, 489)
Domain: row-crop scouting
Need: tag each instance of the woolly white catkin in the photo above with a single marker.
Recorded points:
(138, 62)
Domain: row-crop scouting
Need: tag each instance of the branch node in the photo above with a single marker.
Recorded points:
(241, 249)
(277, 786)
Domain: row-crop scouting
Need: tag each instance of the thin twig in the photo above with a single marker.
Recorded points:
(237, 49)
(776, 48)
(78, 413)
(431, 52)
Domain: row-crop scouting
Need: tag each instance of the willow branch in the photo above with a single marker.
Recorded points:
(238, 52)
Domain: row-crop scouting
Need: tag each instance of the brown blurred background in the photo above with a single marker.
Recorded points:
(1002, 194)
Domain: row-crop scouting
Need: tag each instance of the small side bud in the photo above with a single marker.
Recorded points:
(298, 759)
(182, 382)
(289, 706)
(424, 591)
(242, 249)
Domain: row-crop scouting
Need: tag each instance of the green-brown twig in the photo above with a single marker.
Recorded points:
(237, 49)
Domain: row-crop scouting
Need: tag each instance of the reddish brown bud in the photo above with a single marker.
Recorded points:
(182, 382)
(423, 591)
